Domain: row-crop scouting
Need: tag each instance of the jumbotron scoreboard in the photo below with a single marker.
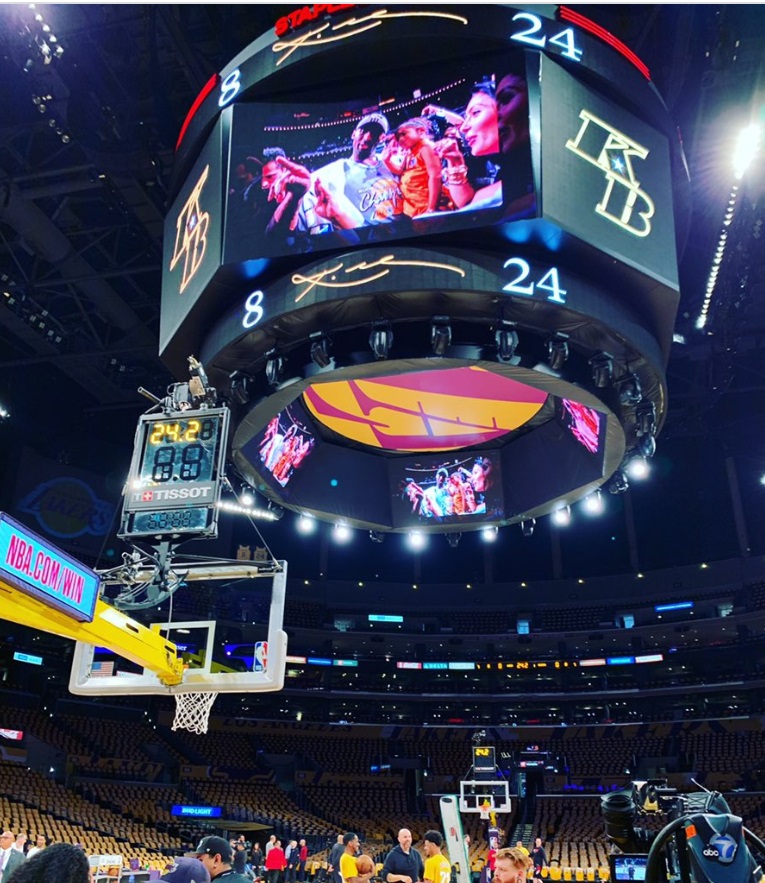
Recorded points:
(429, 256)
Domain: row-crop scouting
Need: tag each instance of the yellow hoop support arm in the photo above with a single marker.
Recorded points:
(110, 628)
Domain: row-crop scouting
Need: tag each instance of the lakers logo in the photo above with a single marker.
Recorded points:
(624, 203)
(191, 233)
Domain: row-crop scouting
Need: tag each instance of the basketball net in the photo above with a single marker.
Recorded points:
(485, 810)
(192, 711)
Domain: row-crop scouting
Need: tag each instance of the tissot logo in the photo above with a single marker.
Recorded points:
(614, 153)
(191, 233)
(181, 493)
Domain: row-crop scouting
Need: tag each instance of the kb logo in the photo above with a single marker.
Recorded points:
(721, 847)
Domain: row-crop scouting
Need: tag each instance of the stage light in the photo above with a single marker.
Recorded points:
(638, 468)
(619, 483)
(276, 511)
(506, 338)
(306, 525)
(594, 504)
(320, 350)
(630, 392)
(240, 387)
(4, 412)
(341, 533)
(416, 540)
(647, 446)
(602, 370)
(247, 498)
(645, 414)
(747, 146)
(274, 368)
(490, 534)
(381, 340)
(376, 536)
(557, 350)
(527, 527)
(453, 539)
(440, 335)
(561, 517)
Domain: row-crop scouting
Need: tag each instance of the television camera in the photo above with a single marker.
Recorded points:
(702, 842)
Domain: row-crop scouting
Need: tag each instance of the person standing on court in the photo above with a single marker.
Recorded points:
(403, 864)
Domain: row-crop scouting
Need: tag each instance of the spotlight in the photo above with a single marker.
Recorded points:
(341, 533)
(562, 517)
(381, 340)
(645, 414)
(647, 446)
(638, 468)
(306, 524)
(602, 365)
(630, 392)
(557, 350)
(320, 350)
(453, 539)
(490, 534)
(440, 335)
(527, 527)
(276, 511)
(247, 498)
(594, 504)
(376, 536)
(416, 540)
(274, 368)
(506, 338)
(240, 387)
(619, 483)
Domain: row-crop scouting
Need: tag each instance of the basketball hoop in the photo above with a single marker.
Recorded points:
(192, 711)
(484, 811)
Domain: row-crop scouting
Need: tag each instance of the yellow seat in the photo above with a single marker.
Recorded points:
(555, 873)
(567, 873)
(579, 875)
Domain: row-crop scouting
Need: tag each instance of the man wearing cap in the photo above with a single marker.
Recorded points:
(355, 192)
(216, 855)
(186, 870)
(437, 866)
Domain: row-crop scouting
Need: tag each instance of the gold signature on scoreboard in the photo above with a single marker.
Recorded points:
(352, 27)
(328, 277)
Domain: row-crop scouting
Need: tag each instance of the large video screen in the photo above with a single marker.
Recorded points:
(585, 424)
(442, 150)
(446, 490)
(285, 444)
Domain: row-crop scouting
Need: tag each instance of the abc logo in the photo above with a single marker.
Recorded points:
(722, 847)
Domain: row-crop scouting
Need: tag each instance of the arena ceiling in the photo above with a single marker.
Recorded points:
(86, 154)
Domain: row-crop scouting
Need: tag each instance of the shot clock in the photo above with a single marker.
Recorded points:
(175, 475)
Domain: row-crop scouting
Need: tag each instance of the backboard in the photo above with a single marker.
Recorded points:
(210, 665)
(481, 796)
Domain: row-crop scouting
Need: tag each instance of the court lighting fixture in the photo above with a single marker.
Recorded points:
(416, 540)
(341, 533)
(638, 468)
(274, 368)
(630, 391)
(306, 524)
(593, 504)
(619, 482)
(320, 345)
(527, 527)
(645, 414)
(440, 335)
(381, 340)
(240, 387)
(557, 350)
(490, 534)
(562, 517)
(377, 536)
(453, 539)
(602, 365)
(647, 446)
(506, 338)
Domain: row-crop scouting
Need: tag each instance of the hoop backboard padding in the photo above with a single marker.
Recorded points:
(475, 794)
(86, 681)
(192, 711)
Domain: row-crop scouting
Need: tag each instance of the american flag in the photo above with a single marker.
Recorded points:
(102, 669)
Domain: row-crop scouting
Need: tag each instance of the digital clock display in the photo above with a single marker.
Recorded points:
(175, 478)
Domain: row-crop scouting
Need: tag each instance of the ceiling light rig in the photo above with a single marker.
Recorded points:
(43, 44)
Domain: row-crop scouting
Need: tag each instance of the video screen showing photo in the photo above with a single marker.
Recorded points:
(630, 867)
(447, 490)
(419, 157)
(285, 444)
(585, 424)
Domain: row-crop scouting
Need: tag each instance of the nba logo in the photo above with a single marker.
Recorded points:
(260, 662)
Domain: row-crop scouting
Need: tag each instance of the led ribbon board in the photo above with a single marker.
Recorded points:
(35, 567)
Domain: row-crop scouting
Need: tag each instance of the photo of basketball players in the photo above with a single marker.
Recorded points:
(285, 445)
(450, 491)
